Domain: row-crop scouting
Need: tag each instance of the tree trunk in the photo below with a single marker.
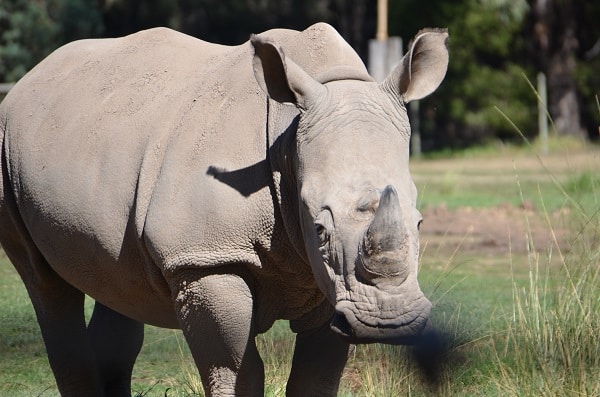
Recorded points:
(554, 29)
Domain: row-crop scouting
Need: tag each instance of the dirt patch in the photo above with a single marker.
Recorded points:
(497, 230)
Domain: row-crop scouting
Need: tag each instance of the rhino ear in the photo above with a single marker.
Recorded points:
(280, 78)
(423, 68)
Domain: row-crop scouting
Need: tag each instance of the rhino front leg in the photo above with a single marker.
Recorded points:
(215, 314)
(318, 363)
(116, 341)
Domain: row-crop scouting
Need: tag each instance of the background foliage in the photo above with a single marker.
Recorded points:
(497, 47)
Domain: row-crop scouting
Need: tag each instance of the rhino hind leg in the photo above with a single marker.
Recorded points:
(116, 341)
(86, 361)
(59, 309)
(58, 306)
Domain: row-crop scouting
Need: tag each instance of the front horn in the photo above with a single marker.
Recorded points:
(384, 247)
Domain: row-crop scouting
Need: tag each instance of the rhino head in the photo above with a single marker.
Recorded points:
(356, 199)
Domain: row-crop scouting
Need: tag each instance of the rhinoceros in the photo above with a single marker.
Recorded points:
(215, 189)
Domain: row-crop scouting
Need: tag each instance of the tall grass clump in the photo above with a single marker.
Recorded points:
(552, 345)
(552, 342)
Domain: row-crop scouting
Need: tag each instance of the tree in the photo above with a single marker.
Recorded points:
(30, 30)
(26, 33)
(588, 67)
(553, 26)
(486, 70)
(122, 17)
(495, 47)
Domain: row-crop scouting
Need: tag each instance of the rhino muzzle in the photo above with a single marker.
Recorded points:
(360, 327)
(384, 247)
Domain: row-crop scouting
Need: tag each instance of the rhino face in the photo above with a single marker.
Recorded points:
(358, 211)
(357, 200)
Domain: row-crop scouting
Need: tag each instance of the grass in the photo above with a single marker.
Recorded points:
(518, 324)
(552, 340)
(165, 366)
(554, 335)
(486, 176)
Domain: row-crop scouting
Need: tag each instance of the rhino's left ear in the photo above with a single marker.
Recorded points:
(423, 68)
(280, 78)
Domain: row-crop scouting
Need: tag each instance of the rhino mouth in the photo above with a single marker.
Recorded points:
(356, 327)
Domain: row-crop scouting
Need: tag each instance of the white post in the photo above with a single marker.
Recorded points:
(378, 50)
(377, 59)
(5, 87)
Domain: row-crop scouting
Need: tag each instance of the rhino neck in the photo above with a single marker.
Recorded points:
(282, 123)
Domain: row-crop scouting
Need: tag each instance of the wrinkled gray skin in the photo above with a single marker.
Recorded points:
(215, 189)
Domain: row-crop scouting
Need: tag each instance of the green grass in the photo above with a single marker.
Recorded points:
(491, 176)
(552, 344)
(165, 364)
(468, 302)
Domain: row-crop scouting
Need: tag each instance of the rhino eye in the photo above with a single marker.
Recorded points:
(323, 226)
(419, 224)
(322, 233)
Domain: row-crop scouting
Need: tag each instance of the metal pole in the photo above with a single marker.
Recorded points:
(542, 112)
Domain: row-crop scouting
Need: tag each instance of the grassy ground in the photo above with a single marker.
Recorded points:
(520, 323)
(493, 176)
(462, 296)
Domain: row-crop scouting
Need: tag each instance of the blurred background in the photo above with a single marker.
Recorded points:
(498, 48)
